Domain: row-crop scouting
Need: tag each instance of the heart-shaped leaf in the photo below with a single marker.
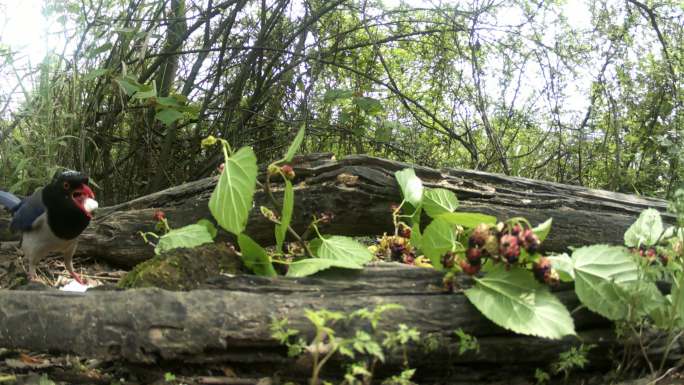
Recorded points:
(602, 276)
(232, 198)
(515, 301)
(438, 201)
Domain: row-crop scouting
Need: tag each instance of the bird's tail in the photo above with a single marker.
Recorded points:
(9, 200)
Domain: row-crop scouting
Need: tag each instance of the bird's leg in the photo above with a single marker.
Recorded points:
(68, 257)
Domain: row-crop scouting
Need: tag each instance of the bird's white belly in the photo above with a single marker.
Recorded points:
(41, 241)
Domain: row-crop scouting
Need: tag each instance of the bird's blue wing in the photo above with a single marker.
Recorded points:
(9, 200)
(29, 210)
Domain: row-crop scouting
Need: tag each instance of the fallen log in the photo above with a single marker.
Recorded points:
(229, 322)
(359, 191)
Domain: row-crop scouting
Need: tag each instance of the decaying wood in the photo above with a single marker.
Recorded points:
(359, 191)
(229, 322)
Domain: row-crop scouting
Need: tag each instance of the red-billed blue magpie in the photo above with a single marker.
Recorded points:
(52, 218)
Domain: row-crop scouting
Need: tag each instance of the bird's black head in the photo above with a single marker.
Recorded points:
(65, 199)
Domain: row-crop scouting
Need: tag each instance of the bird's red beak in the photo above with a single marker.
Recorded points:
(80, 196)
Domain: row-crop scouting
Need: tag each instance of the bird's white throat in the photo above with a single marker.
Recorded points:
(90, 205)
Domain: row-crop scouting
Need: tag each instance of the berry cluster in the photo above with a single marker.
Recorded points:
(502, 243)
(651, 254)
(398, 248)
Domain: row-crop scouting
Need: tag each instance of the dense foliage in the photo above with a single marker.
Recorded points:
(585, 93)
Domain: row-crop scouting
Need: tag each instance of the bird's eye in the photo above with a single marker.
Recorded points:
(66, 185)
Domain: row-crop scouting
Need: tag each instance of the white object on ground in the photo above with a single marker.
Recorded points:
(75, 287)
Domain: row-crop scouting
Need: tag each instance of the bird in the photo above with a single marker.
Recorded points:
(51, 219)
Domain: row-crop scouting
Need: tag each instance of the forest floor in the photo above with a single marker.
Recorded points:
(44, 368)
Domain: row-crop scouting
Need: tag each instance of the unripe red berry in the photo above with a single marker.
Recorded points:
(288, 171)
(468, 268)
(159, 215)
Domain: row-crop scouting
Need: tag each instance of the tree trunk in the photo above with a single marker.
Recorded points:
(229, 321)
(581, 216)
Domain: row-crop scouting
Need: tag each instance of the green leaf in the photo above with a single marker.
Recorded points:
(103, 48)
(416, 236)
(646, 230)
(95, 74)
(286, 217)
(542, 229)
(438, 201)
(383, 132)
(232, 198)
(128, 84)
(255, 257)
(468, 220)
(294, 146)
(341, 249)
(515, 301)
(146, 92)
(369, 105)
(309, 266)
(188, 236)
(602, 274)
(334, 95)
(437, 239)
(677, 297)
(563, 265)
(169, 101)
(210, 227)
(168, 116)
(411, 186)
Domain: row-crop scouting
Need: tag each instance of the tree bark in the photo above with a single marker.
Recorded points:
(229, 321)
(581, 216)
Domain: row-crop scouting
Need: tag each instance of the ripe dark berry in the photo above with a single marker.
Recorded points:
(529, 240)
(448, 260)
(479, 236)
(516, 230)
(468, 268)
(509, 248)
(326, 217)
(409, 258)
(474, 255)
(404, 230)
(664, 259)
